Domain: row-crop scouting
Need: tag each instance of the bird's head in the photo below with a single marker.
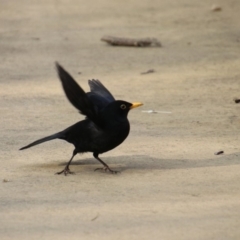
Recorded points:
(118, 110)
(123, 107)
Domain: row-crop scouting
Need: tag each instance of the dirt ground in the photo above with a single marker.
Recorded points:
(171, 185)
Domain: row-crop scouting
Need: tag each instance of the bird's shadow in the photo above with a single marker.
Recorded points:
(141, 162)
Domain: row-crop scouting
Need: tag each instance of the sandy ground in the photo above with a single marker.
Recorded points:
(171, 185)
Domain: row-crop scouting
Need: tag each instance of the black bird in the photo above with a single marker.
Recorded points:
(105, 127)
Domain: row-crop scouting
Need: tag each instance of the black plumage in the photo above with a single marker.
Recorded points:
(105, 127)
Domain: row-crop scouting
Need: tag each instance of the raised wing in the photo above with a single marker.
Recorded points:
(99, 94)
(98, 88)
(77, 96)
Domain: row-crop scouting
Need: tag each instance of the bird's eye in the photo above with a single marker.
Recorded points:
(123, 106)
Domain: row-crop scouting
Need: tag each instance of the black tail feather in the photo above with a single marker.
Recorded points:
(45, 139)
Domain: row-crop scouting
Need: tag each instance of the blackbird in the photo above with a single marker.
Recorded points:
(105, 127)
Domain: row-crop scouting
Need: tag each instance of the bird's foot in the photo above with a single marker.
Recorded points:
(66, 171)
(107, 169)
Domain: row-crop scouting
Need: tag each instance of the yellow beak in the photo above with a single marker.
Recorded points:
(136, 104)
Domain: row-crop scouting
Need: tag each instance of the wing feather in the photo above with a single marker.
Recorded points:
(77, 96)
(98, 88)
(99, 94)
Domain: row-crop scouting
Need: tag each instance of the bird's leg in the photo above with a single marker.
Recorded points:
(106, 167)
(66, 170)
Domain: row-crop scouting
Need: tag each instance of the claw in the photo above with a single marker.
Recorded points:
(66, 171)
(107, 169)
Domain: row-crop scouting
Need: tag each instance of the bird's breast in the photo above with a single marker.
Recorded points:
(111, 137)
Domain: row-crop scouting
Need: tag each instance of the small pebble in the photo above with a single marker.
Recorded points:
(216, 8)
(149, 71)
(219, 152)
(236, 100)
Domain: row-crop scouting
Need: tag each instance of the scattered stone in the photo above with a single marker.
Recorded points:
(219, 152)
(131, 42)
(236, 100)
(216, 8)
(148, 71)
